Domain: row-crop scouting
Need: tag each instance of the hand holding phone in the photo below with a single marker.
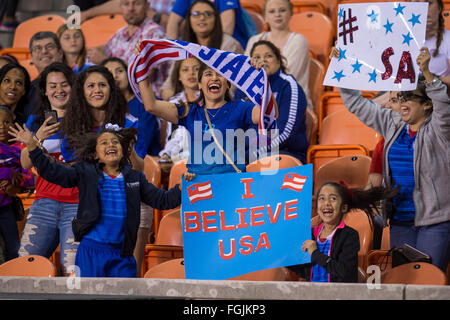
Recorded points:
(51, 114)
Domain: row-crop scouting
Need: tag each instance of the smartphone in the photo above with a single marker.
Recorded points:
(51, 114)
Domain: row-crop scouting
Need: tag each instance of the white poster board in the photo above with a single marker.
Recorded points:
(378, 44)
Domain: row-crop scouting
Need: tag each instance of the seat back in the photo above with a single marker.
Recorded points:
(172, 269)
(28, 266)
(99, 29)
(258, 19)
(26, 29)
(317, 29)
(353, 169)
(152, 171)
(317, 73)
(18, 53)
(446, 15)
(274, 274)
(273, 162)
(253, 5)
(170, 230)
(29, 66)
(312, 125)
(421, 273)
(359, 221)
(308, 6)
(177, 172)
(343, 127)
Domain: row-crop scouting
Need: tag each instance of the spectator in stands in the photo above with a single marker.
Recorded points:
(437, 40)
(293, 46)
(108, 215)
(184, 78)
(73, 47)
(203, 27)
(416, 157)
(158, 10)
(334, 246)
(214, 104)
(12, 179)
(45, 49)
(148, 133)
(123, 42)
(235, 20)
(290, 99)
(95, 101)
(49, 223)
(14, 89)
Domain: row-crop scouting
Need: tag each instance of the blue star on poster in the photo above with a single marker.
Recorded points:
(372, 38)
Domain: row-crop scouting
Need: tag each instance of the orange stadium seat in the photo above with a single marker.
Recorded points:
(321, 154)
(152, 171)
(259, 21)
(446, 5)
(273, 162)
(172, 269)
(446, 15)
(317, 73)
(28, 28)
(353, 169)
(308, 6)
(168, 244)
(274, 274)
(99, 29)
(18, 53)
(420, 273)
(28, 266)
(312, 125)
(32, 71)
(253, 5)
(381, 258)
(317, 29)
(177, 172)
(358, 220)
(343, 127)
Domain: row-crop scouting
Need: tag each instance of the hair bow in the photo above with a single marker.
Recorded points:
(111, 126)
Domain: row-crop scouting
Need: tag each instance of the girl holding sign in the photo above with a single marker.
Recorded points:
(334, 247)
(110, 194)
(416, 156)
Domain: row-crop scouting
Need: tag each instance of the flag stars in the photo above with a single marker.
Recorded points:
(373, 16)
(414, 20)
(341, 13)
(342, 54)
(407, 38)
(388, 26)
(356, 66)
(373, 76)
(338, 75)
(399, 9)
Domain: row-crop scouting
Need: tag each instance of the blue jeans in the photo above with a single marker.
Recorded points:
(433, 240)
(49, 223)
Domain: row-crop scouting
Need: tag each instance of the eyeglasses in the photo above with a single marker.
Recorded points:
(48, 47)
(408, 96)
(198, 14)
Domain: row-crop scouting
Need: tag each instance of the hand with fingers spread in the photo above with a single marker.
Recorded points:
(188, 176)
(23, 135)
(47, 130)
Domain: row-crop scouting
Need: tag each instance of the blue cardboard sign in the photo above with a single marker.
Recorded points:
(238, 223)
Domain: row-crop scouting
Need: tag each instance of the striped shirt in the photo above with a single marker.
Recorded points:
(111, 225)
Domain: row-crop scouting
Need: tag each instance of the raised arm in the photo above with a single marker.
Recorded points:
(163, 109)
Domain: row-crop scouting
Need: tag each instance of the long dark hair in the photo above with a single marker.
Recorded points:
(78, 119)
(365, 200)
(441, 28)
(87, 143)
(20, 107)
(122, 63)
(216, 35)
(275, 51)
(42, 99)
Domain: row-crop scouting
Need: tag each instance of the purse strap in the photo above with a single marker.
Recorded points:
(217, 142)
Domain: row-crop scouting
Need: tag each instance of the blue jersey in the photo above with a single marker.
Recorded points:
(205, 157)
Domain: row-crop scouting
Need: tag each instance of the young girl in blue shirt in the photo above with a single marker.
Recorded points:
(110, 193)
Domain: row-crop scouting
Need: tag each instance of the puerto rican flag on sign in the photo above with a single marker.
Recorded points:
(200, 191)
(294, 182)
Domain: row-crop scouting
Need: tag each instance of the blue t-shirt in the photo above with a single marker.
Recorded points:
(244, 28)
(111, 225)
(319, 273)
(149, 132)
(205, 157)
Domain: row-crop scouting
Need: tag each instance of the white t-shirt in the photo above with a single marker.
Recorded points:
(440, 65)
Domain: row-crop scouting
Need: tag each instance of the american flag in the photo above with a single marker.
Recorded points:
(294, 182)
(153, 52)
(200, 191)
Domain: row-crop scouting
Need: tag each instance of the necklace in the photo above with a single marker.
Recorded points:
(215, 113)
